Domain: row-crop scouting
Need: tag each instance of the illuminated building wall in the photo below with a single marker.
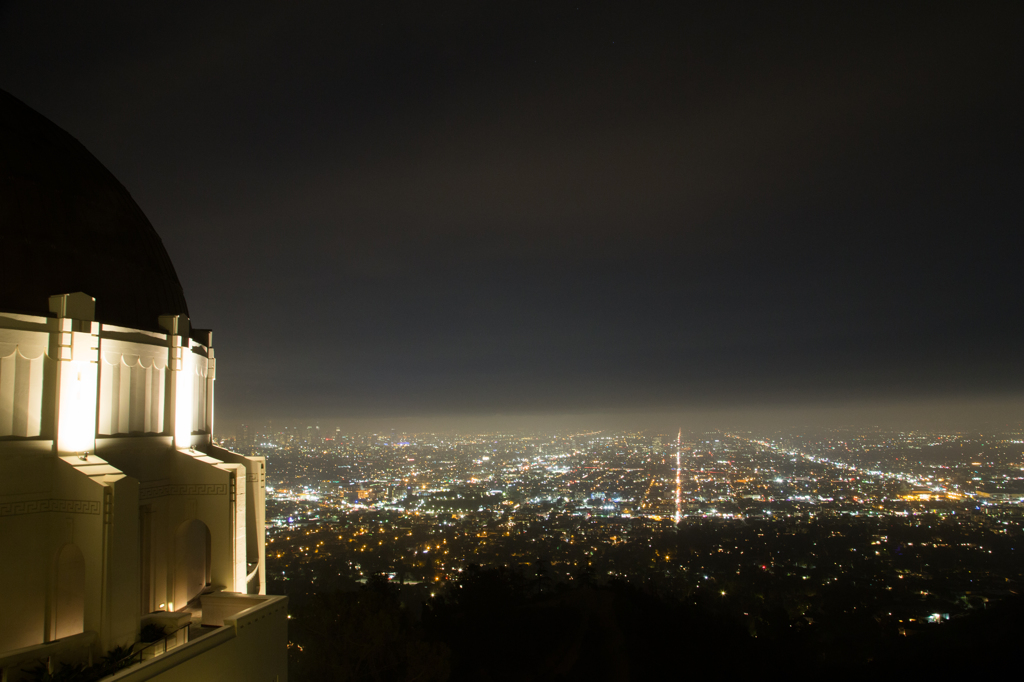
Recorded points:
(117, 510)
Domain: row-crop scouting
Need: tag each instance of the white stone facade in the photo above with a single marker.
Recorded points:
(114, 501)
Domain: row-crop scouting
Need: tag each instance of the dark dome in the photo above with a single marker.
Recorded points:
(67, 225)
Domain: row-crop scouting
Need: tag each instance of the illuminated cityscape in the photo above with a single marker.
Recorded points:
(547, 341)
(926, 525)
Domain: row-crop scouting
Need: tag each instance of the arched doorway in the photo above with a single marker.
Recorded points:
(192, 561)
(69, 602)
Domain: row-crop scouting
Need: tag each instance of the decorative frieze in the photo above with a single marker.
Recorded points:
(184, 489)
(43, 506)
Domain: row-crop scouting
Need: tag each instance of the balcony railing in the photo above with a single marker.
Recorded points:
(162, 645)
(249, 631)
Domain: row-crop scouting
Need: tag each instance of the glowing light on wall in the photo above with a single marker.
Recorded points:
(77, 407)
(77, 365)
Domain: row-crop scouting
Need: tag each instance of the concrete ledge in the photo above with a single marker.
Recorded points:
(220, 607)
(174, 657)
(168, 620)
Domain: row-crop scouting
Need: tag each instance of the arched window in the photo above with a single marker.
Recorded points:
(69, 605)
(192, 561)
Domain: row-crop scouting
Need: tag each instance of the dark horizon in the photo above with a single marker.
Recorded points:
(538, 212)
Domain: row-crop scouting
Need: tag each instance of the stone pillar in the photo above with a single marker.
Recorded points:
(210, 378)
(75, 346)
(180, 374)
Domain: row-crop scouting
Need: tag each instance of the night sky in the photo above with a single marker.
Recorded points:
(509, 210)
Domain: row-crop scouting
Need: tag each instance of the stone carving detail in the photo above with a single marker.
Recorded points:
(43, 506)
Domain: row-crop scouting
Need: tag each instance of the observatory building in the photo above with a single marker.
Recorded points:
(123, 527)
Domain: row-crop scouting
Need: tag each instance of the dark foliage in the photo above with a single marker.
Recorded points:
(151, 633)
(116, 659)
(497, 624)
(363, 635)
